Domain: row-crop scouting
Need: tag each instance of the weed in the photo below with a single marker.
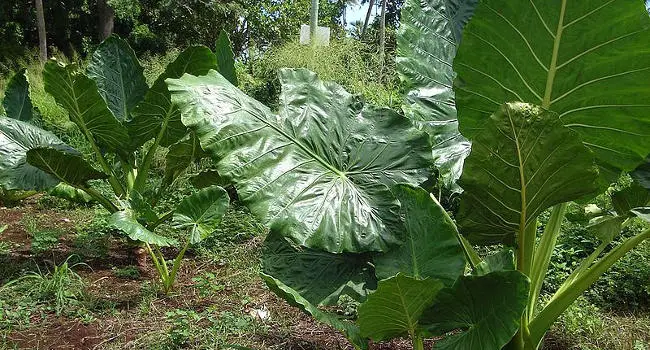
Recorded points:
(182, 323)
(208, 284)
(61, 286)
(127, 272)
(43, 239)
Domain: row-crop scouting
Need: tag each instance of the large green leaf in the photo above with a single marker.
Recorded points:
(201, 212)
(487, 309)
(428, 36)
(126, 221)
(522, 162)
(17, 103)
(63, 163)
(294, 298)
(588, 60)
(180, 156)
(629, 198)
(118, 74)
(431, 247)
(156, 113)
(16, 138)
(226, 58)
(319, 171)
(503, 260)
(78, 94)
(69, 193)
(318, 276)
(394, 309)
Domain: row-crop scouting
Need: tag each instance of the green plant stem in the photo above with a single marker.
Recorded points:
(562, 300)
(584, 265)
(418, 343)
(112, 179)
(143, 173)
(543, 254)
(156, 263)
(526, 251)
(177, 265)
(162, 219)
(107, 204)
(470, 254)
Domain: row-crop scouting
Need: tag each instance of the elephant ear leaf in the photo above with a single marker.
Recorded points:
(394, 309)
(294, 298)
(202, 212)
(156, 114)
(431, 247)
(16, 138)
(319, 277)
(65, 164)
(126, 221)
(319, 171)
(118, 74)
(486, 309)
(78, 94)
(523, 162)
(17, 103)
(427, 40)
(226, 58)
(538, 52)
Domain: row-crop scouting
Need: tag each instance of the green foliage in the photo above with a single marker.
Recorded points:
(352, 64)
(60, 287)
(128, 272)
(326, 143)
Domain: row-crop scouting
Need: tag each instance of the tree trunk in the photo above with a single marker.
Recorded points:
(106, 19)
(382, 35)
(313, 20)
(365, 23)
(42, 39)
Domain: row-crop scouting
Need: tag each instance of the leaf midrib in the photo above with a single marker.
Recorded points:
(552, 70)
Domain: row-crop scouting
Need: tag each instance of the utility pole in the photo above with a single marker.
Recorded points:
(313, 19)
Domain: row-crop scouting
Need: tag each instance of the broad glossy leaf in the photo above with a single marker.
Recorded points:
(522, 162)
(156, 112)
(141, 207)
(428, 36)
(319, 171)
(487, 309)
(118, 74)
(394, 309)
(226, 58)
(126, 221)
(606, 227)
(17, 103)
(586, 60)
(63, 163)
(73, 194)
(208, 178)
(431, 247)
(294, 298)
(180, 156)
(78, 94)
(318, 276)
(202, 212)
(630, 198)
(16, 138)
(642, 174)
(503, 260)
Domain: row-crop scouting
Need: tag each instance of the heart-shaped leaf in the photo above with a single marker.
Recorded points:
(64, 163)
(319, 171)
(588, 61)
(522, 162)
(126, 221)
(202, 212)
(17, 103)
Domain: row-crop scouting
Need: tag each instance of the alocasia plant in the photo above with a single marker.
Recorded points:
(583, 67)
(117, 113)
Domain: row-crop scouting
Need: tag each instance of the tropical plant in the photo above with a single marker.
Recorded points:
(323, 174)
(119, 116)
(570, 142)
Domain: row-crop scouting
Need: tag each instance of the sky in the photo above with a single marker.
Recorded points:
(356, 13)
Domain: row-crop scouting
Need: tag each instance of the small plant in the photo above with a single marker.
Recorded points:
(128, 272)
(208, 284)
(182, 323)
(43, 239)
